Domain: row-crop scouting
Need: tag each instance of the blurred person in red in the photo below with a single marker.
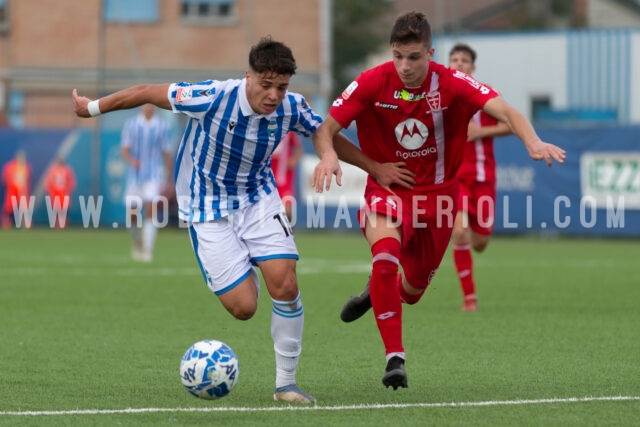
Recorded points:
(474, 221)
(284, 164)
(60, 182)
(16, 178)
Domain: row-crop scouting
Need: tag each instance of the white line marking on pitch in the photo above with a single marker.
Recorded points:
(327, 408)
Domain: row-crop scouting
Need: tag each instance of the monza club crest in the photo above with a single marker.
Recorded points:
(433, 98)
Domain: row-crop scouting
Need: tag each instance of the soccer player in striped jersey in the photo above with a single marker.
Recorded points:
(414, 111)
(226, 190)
(474, 222)
(146, 146)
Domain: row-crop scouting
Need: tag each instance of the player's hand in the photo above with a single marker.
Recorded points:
(388, 174)
(80, 104)
(545, 151)
(135, 163)
(473, 131)
(324, 171)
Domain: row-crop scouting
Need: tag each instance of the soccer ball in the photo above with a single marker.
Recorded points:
(209, 369)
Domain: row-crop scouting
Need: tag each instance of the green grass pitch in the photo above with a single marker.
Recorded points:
(89, 337)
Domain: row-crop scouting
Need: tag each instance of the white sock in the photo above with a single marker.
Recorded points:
(287, 321)
(149, 232)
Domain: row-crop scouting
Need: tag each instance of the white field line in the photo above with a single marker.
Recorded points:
(327, 408)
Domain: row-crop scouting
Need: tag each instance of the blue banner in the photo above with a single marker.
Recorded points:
(595, 192)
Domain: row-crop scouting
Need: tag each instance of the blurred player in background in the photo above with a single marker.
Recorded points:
(284, 163)
(146, 146)
(414, 112)
(474, 221)
(226, 191)
(16, 178)
(60, 182)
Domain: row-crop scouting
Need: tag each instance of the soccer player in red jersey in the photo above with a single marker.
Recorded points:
(60, 182)
(474, 222)
(284, 162)
(16, 177)
(412, 117)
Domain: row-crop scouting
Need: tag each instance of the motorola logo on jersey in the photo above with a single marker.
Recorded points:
(416, 153)
(411, 134)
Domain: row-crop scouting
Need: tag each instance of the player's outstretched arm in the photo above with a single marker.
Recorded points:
(479, 132)
(328, 165)
(523, 129)
(132, 97)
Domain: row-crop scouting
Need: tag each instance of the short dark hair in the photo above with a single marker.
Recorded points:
(270, 56)
(463, 47)
(411, 27)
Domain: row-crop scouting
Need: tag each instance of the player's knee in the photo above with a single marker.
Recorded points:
(411, 294)
(288, 291)
(480, 245)
(460, 236)
(243, 311)
(283, 286)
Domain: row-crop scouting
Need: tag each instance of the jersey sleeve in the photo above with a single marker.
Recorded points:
(353, 100)
(474, 92)
(304, 120)
(192, 99)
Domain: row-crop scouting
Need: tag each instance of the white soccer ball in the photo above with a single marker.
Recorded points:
(209, 369)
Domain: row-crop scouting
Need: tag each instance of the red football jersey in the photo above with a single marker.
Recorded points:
(478, 162)
(426, 126)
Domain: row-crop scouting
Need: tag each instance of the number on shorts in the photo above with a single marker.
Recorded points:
(284, 223)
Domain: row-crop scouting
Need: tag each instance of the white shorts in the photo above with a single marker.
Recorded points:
(146, 191)
(228, 248)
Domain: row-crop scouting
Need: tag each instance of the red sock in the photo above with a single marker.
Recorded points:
(385, 297)
(464, 265)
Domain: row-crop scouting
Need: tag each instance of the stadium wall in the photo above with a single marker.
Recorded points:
(575, 70)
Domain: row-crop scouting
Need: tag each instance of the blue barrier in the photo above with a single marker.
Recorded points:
(595, 193)
(561, 200)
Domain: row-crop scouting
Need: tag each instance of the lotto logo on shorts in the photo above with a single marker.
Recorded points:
(183, 94)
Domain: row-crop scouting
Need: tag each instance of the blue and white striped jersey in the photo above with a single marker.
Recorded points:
(224, 158)
(147, 141)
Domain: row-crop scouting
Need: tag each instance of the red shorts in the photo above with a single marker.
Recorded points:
(478, 199)
(426, 219)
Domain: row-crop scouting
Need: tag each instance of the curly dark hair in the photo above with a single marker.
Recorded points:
(270, 56)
